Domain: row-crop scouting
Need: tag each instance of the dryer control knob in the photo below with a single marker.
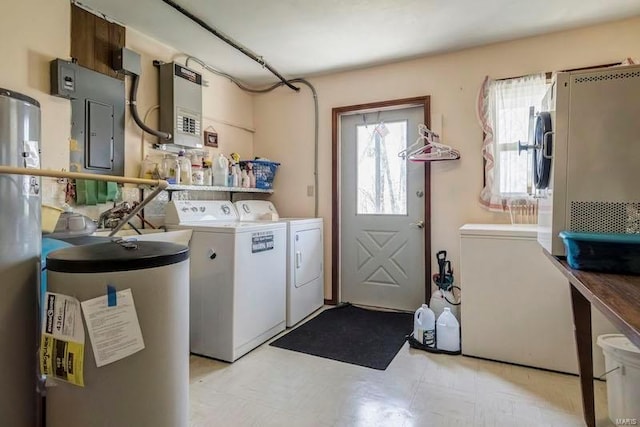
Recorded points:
(212, 254)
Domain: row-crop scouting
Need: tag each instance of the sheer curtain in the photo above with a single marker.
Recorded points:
(503, 112)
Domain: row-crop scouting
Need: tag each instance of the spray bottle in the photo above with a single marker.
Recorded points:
(444, 296)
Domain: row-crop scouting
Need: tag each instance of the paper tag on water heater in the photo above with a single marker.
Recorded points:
(30, 186)
(114, 331)
(31, 155)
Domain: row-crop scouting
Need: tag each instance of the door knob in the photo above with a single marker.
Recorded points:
(419, 224)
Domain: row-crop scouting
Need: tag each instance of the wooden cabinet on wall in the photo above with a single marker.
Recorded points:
(94, 40)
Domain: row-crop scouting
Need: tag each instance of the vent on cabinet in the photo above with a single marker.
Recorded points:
(605, 217)
(601, 77)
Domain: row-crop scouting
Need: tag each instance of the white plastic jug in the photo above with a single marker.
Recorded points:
(448, 331)
(622, 363)
(424, 326)
(220, 170)
(440, 299)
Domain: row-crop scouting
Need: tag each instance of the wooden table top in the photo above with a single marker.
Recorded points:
(617, 296)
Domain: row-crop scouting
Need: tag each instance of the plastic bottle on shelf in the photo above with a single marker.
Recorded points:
(170, 169)
(146, 168)
(197, 171)
(220, 171)
(208, 176)
(238, 175)
(156, 172)
(252, 177)
(448, 331)
(197, 175)
(245, 179)
(185, 168)
(234, 176)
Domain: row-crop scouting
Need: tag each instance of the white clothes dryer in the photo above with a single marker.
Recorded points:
(305, 256)
(238, 277)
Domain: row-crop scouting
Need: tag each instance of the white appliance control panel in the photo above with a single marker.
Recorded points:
(180, 211)
(256, 210)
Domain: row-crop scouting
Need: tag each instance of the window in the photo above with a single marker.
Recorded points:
(506, 110)
(381, 174)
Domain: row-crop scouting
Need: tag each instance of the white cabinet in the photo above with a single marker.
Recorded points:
(516, 305)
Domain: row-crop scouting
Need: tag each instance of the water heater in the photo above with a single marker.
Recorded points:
(181, 105)
(20, 245)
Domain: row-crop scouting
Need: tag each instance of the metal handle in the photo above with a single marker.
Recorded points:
(526, 147)
(545, 140)
(419, 224)
(298, 259)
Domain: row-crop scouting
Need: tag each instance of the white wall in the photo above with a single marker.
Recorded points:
(284, 119)
(34, 32)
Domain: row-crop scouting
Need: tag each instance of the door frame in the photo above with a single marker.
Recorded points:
(336, 113)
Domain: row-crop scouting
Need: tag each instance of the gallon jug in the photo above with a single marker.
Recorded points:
(424, 326)
(220, 171)
(441, 299)
(448, 331)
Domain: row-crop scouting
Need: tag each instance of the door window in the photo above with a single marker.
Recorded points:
(381, 174)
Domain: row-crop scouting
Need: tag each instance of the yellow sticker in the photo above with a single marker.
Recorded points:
(62, 340)
(62, 360)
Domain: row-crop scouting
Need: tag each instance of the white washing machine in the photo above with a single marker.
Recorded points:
(305, 270)
(238, 277)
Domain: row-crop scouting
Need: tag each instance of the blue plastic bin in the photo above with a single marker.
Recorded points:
(264, 171)
(603, 252)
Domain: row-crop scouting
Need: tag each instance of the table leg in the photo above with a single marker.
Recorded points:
(582, 323)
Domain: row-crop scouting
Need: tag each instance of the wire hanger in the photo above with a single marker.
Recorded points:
(429, 148)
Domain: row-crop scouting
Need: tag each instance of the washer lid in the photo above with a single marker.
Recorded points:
(117, 255)
(230, 227)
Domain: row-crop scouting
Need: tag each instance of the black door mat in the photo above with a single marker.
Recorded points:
(351, 334)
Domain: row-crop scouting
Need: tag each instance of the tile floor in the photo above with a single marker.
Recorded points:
(275, 387)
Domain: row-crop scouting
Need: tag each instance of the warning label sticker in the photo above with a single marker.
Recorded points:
(62, 340)
(262, 241)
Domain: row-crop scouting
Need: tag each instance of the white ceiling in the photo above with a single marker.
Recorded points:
(300, 38)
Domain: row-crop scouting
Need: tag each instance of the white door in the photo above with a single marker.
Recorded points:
(308, 256)
(382, 211)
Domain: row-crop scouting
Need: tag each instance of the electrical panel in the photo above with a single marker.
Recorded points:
(181, 105)
(64, 76)
(97, 117)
